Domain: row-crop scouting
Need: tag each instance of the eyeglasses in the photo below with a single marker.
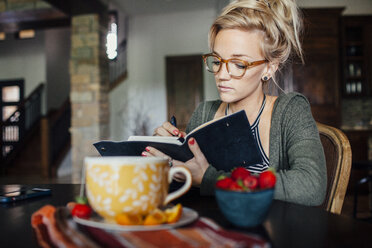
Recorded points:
(235, 67)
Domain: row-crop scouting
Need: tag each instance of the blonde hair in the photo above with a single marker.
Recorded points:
(279, 20)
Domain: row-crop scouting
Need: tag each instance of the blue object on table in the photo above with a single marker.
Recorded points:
(244, 209)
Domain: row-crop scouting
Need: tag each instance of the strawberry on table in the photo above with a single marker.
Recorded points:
(251, 182)
(235, 186)
(243, 180)
(82, 211)
(267, 179)
(80, 207)
(224, 183)
(240, 173)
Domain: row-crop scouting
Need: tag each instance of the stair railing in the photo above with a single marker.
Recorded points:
(19, 126)
(118, 66)
(55, 138)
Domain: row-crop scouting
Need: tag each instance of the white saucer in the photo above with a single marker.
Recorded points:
(188, 216)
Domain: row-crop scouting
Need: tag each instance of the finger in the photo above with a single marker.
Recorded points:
(155, 152)
(195, 149)
(179, 177)
(146, 154)
(171, 129)
(178, 180)
(182, 134)
(161, 131)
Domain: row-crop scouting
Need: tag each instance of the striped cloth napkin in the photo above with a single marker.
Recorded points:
(54, 227)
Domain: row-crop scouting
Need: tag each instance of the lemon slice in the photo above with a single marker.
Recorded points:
(156, 217)
(174, 214)
(128, 219)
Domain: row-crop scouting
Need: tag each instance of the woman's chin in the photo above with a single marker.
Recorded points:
(227, 98)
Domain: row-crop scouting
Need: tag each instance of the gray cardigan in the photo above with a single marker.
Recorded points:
(296, 152)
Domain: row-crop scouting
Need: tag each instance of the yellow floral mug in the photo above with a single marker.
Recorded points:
(133, 185)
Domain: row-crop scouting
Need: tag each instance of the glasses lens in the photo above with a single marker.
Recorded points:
(213, 63)
(237, 68)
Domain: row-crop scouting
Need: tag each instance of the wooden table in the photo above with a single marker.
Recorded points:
(288, 225)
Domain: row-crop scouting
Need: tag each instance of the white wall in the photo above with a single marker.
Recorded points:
(150, 39)
(43, 59)
(57, 52)
(23, 59)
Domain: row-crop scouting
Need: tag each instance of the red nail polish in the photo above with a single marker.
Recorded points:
(191, 141)
(143, 154)
(147, 149)
(176, 132)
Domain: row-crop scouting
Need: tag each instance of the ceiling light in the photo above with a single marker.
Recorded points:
(26, 34)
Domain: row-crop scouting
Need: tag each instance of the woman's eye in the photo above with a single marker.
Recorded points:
(239, 65)
(216, 63)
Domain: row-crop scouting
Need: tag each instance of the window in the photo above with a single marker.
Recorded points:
(112, 36)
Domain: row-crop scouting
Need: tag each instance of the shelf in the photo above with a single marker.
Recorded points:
(356, 55)
(353, 78)
(355, 58)
(354, 43)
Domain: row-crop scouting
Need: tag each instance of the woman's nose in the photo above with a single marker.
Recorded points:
(223, 73)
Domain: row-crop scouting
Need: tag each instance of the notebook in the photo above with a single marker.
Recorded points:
(226, 142)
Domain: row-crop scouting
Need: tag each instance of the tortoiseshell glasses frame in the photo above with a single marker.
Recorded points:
(235, 67)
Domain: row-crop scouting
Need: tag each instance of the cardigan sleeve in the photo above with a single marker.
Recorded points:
(302, 176)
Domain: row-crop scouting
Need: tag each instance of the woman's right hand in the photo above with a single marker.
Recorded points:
(167, 129)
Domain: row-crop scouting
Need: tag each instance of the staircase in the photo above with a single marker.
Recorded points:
(40, 144)
(28, 160)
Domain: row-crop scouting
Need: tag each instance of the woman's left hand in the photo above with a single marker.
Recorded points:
(197, 165)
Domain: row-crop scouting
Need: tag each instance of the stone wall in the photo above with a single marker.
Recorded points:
(17, 5)
(89, 88)
(357, 113)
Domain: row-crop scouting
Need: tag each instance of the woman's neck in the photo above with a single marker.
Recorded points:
(251, 105)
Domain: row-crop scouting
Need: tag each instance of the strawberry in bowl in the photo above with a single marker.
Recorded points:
(245, 198)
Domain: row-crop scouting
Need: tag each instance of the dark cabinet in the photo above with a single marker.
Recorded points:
(356, 56)
(319, 78)
(359, 143)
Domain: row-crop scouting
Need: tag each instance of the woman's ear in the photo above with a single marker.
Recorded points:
(271, 68)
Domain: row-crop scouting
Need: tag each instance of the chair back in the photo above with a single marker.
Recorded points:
(337, 152)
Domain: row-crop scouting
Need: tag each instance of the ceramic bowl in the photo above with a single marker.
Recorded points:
(244, 209)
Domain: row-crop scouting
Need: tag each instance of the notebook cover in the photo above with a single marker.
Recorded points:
(226, 143)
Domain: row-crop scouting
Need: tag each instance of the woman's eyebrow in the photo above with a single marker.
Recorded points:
(242, 55)
(234, 55)
(214, 52)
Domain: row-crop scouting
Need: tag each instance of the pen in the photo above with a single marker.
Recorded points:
(173, 121)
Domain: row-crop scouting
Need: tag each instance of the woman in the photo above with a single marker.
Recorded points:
(249, 41)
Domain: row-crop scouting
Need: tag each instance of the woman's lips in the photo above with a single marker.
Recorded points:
(224, 88)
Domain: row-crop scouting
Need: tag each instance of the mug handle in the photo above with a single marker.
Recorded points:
(185, 187)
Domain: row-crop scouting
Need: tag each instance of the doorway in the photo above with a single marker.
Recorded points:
(184, 77)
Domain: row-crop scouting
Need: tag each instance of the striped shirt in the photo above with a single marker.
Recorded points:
(257, 168)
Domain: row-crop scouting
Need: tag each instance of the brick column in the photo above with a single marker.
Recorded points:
(89, 88)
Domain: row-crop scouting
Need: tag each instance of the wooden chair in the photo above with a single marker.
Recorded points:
(338, 159)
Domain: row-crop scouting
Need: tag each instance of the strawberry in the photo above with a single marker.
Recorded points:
(82, 211)
(267, 179)
(240, 173)
(224, 183)
(235, 186)
(251, 182)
